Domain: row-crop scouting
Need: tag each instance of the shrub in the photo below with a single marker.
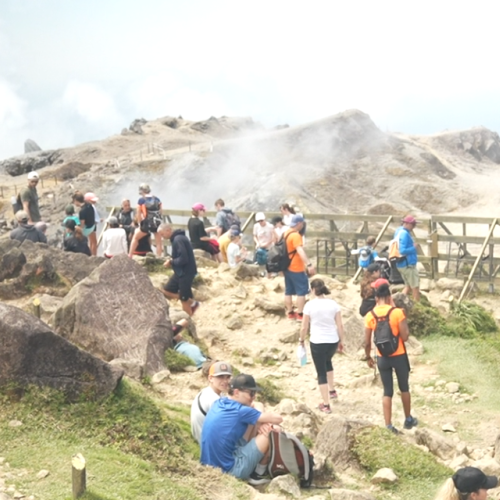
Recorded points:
(176, 362)
(270, 392)
(474, 316)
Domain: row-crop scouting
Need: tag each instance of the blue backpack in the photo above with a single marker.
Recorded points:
(366, 257)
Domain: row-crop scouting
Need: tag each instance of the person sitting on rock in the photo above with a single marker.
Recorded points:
(235, 252)
(198, 234)
(25, 230)
(219, 375)
(114, 239)
(263, 237)
(388, 363)
(76, 242)
(126, 218)
(141, 242)
(224, 241)
(235, 436)
(468, 483)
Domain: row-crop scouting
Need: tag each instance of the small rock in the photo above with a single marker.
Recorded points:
(15, 423)
(270, 306)
(190, 369)
(2, 460)
(241, 292)
(488, 465)
(462, 448)
(160, 377)
(43, 473)
(235, 322)
(384, 475)
(452, 387)
(459, 462)
(247, 361)
(18, 495)
(285, 484)
(448, 428)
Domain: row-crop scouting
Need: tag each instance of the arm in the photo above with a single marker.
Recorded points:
(340, 330)
(406, 245)
(26, 208)
(305, 328)
(270, 418)
(302, 254)
(368, 347)
(180, 250)
(403, 330)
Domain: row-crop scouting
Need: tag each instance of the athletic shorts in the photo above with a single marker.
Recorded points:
(296, 283)
(246, 457)
(180, 285)
(410, 276)
(88, 230)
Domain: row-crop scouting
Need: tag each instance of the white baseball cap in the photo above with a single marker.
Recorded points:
(259, 216)
(33, 176)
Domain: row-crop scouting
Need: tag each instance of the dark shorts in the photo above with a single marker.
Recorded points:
(181, 285)
(397, 364)
(296, 283)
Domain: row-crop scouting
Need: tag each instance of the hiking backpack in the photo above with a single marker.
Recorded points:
(288, 455)
(230, 219)
(278, 258)
(153, 211)
(386, 342)
(394, 253)
(365, 257)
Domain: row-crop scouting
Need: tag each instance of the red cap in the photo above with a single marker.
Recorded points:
(380, 281)
(409, 219)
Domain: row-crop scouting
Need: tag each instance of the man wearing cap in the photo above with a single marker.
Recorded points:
(29, 198)
(468, 483)
(25, 230)
(296, 281)
(114, 239)
(219, 375)
(235, 436)
(263, 237)
(407, 264)
(183, 263)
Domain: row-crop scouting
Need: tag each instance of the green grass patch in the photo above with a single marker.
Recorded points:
(176, 361)
(419, 473)
(270, 393)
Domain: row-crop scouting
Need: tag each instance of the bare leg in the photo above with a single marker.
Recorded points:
(288, 303)
(170, 295)
(159, 245)
(387, 406)
(406, 290)
(329, 378)
(93, 243)
(301, 301)
(416, 294)
(323, 389)
(406, 400)
(186, 306)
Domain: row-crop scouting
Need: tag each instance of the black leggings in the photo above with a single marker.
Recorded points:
(322, 355)
(401, 365)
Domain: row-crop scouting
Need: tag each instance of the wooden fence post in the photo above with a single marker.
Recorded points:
(36, 307)
(78, 475)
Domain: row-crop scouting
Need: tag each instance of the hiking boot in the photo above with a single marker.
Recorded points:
(324, 408)
(299, 317)
(194, 306)
(393, 429)
(292, 315)
(256, 479)
(333, 394)
(410, 422)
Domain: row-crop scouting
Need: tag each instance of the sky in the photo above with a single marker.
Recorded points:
(75, 71)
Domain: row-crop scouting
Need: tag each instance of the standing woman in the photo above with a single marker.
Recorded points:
(371, 274)
(327, 336)
(287, 212)
(198, 235)
(87, 220)
(149, 211)
(468, 483)
(398, 361)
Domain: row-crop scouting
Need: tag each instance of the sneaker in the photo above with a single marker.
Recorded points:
(194, 306)
(410, 422)
(324, 408)
(292, 315)
(256, 479)
(393, 429)
(333, 394)
(299, 317)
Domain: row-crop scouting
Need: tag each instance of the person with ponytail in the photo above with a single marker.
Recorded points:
(398, 360)
(468, 483)
(324, 318)
(76, 242)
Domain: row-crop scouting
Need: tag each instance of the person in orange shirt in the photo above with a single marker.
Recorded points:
(296, 281)
(397, 361)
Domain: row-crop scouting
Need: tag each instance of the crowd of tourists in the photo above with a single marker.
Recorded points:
(231, 427)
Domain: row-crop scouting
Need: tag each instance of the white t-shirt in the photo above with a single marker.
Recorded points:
(322, 314)
(280, 231)
(207, 398)
(233, 251)
(264, 234)
(114, 241)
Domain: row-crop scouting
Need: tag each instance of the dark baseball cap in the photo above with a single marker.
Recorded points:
(373, 267)
(470, 479)
(244, 382)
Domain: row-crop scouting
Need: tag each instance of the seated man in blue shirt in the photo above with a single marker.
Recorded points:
(235, 436)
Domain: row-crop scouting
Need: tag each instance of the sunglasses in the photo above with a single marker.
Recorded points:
(251, 393)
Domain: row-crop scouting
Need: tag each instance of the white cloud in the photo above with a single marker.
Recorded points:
(12, 107)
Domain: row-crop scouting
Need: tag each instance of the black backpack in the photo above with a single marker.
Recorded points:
(154, 216)
(288, 455)
(230, 219)
(278, 258)
(386, 342)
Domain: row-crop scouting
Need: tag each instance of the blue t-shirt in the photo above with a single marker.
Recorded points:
(192, 351)
(225, 424)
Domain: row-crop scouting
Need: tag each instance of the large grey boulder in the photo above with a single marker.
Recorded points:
(117, 313)
(23, 164)
(437, 444)
(30, 146)
(32, 353)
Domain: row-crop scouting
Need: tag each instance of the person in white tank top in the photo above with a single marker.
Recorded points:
(324, 318)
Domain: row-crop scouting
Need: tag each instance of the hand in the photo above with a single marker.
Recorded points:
(265, 429)
(370, 362)
(311, 270)
(168, 263)
(340, 347)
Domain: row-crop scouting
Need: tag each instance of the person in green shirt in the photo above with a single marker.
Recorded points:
(29, 199)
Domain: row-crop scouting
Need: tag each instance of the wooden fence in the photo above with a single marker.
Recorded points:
(7, 191)
(448, 245)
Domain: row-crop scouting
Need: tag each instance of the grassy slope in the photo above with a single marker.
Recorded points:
(136, 448)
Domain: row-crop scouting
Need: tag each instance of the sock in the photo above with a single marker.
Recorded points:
(409, 418)
(260, 469)
(176, 329)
